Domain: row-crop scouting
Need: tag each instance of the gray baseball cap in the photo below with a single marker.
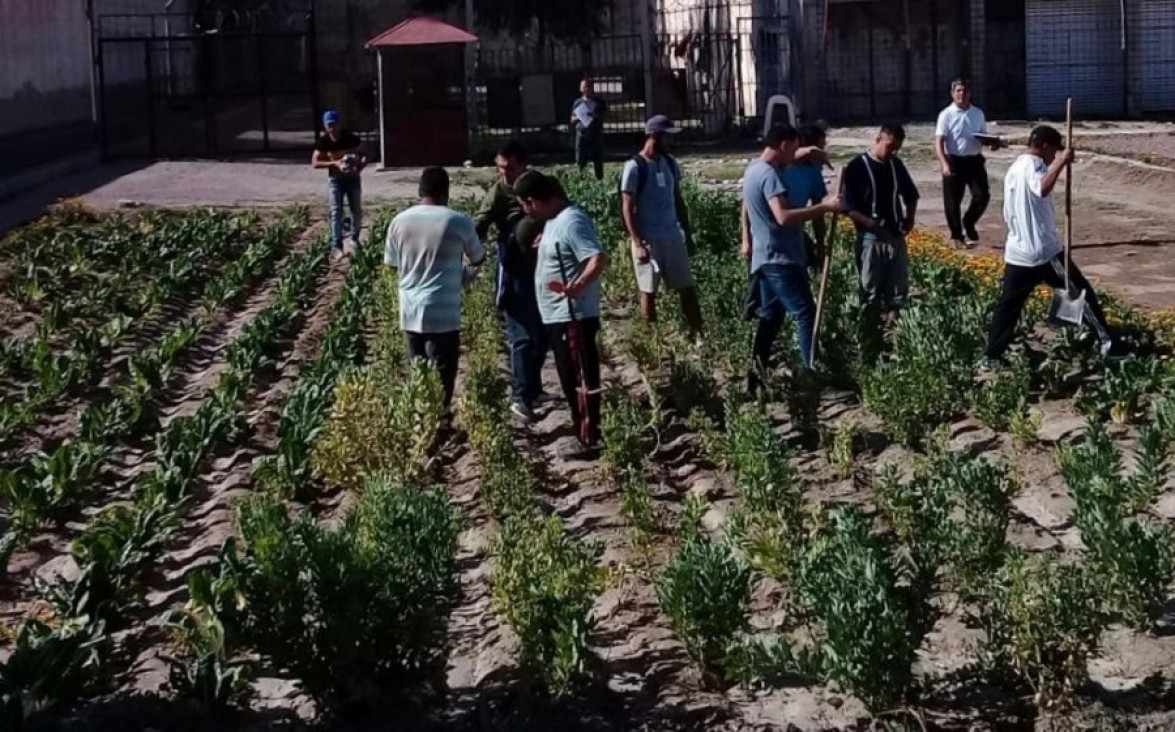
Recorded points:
(661, 124)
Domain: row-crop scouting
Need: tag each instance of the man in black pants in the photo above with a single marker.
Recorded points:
(567, 283)
(516, 300)
(431, 245)
(1034, 253)
(587, 119)
(961, 156)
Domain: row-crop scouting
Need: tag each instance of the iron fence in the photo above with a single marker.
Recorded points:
(207, 84)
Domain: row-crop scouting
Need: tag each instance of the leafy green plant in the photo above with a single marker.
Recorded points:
(1133, 557)
(706, 592)
(1000, 400)
(1042, 621)
(1120, 393)
(48, 665)
(204, 671)
(380, 423)
(953, 515)
(874, 610)
(345, 608)
(544, 585)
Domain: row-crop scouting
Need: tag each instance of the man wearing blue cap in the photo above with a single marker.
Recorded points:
(658, 225)
(339, 151)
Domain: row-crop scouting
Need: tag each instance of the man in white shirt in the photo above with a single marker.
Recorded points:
(1033, 254)
(961, 156)
(431, 244)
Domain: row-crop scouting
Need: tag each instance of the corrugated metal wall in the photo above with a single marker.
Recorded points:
(1074, 49)
(44, 64)
(1152, 54)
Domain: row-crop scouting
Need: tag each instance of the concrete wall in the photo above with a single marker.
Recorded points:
(44, 64)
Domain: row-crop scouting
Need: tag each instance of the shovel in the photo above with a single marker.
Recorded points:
(1067, 309)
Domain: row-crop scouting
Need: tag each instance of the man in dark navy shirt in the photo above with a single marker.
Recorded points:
(340, 152)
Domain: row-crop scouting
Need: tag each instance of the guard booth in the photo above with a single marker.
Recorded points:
(425, 103)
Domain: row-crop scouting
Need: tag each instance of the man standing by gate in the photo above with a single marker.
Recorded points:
(960, 153)
(587, 119)
(340, 152)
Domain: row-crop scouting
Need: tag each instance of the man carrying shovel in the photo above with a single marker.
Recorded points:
(567, 283)
(1033, 254)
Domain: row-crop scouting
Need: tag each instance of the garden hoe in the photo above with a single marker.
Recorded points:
(1067, 309)
(827, 245)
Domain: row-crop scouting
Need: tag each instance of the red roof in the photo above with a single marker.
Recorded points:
(421, 31)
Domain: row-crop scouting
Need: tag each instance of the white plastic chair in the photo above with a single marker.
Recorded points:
(774, 105)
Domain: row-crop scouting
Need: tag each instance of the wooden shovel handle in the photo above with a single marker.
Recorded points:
(829, 242)
(1068, 188)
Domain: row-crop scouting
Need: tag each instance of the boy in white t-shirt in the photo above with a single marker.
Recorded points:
(1034, 254)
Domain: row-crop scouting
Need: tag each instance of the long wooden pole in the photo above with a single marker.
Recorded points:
(829, 243)
(1068, 190)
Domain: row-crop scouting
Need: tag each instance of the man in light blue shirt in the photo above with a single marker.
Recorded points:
(567, 282)
(773, 241)
(658, 226)
(431, 244)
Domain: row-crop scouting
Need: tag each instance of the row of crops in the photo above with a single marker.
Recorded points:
(355, 603)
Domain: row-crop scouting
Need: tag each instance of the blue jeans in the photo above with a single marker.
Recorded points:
(528, 345)
(783, 288)
(345, 187)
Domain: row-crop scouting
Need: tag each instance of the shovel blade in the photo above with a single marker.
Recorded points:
(1067, 309)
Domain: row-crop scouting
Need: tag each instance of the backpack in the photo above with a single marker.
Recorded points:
(642, 176)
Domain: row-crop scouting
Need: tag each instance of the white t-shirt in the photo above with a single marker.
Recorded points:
(427, 244)
(959, 127)
(1030, 217)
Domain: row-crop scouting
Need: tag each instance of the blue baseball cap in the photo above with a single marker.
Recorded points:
(661, 124)
(330, 118)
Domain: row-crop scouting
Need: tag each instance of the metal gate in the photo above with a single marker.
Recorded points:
(1153, 56)
(1075, 50)
(204, 92)
(765, 61)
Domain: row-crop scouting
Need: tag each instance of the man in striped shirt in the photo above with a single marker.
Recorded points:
(431, 245)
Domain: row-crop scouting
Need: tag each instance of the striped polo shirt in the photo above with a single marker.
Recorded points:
(428, 245)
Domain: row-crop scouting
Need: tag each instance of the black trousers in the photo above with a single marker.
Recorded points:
(970, 173)
(442, 350)
(1019, 282)
(570, 361)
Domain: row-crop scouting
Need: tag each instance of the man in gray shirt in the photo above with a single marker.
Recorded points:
(773, 241)
(657, 221)
(587, 119)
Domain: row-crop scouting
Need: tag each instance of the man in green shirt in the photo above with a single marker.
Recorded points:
(501, 210)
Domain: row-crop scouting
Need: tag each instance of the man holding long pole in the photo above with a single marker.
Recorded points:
(567, 283)
(1034, 254)
(773, 241)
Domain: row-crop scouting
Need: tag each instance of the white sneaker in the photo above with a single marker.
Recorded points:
(524, 413)
(349, 247)
(336, 253)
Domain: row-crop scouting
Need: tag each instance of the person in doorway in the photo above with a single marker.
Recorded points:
(881, 199)
(657, 221)
(515, 283)
(960, 154)
(1033, 253)
(773, 241)
(567, 281)
(587, 119)
(430, 245)
(340, 151)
